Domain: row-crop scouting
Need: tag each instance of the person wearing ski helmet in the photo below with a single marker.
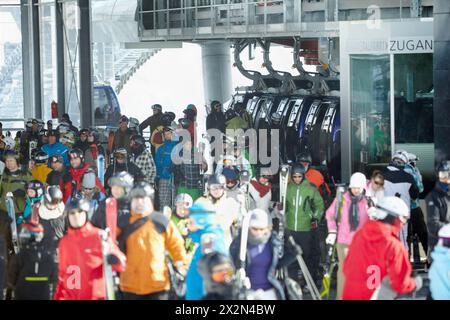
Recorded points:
(227, 209)
(143, 159)
(82, 142)
(440, 268)
(438, 210)
(89, 191)
(154, 121)
(202, 224)
(217, 272)
(52, 218)
(263, 257)
(134, 125)
(29, 136)
(122, 135)
(240, 110)
(53, 148)
(416, 226)
(120, 185)
(94, 150)
(35, 192)
(187, 172)
(80, 250)
(55, 177)
(232, 184)
(41, 170)
(304, 208)
(123, 164)
(33, 271)
(314, 176)
(260, 190)
(146, 277)
(73, 177)
(397, 182)
(234, 121)
(367, 253)
(345, 221)
(180, 216)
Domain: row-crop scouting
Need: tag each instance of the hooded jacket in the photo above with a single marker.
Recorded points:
(40, 172)
(72, 181)
(375, 252)
(303, 204)
(163, 160)
(216, 120)
(81, 265)
(439, 274)
(146, 247)
(14, 182)
(344, 235)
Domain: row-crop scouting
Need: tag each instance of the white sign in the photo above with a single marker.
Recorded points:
(411, 45)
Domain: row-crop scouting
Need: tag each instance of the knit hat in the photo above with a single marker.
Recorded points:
(89, 180)
(259, 219)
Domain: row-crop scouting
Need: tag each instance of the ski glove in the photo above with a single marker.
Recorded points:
(331, 238)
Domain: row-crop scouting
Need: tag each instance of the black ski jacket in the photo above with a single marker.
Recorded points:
(438, 213)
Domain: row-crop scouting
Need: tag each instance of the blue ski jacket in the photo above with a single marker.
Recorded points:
(439, 274)
(55, 149)
(194, 281)
(163, 160)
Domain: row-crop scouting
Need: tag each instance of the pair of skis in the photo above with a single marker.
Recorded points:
(13, 223)
(105, 235)
(284, 180)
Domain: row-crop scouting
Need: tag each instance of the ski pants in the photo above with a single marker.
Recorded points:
(309, 242)
(161, 295)
(165, 189)
(418, 226)
(342, 250)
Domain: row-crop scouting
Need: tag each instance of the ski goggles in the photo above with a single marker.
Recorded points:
(222, 276)
(216, 187)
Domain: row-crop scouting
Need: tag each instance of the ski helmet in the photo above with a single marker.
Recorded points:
(261, 172)
(122, 179)
(81, 204)
(37, 186)
(184, 199)
(41, 157)
(412, 158)
(31, 232)
(68, 139)
(138, 141)
(77, 153)
(123, 118)
(167, 118)
(230, 114)
(230, 174)
(157, 106)
(134, 123)
(298, 169)
(83, 132)
(142, 190)
(444, 235)
(444, 166)
(400, 158)
(207, 268)
(53, 195)
(203, 214)
(358, 180)
(304, 157)
(56, 158)
(120, 153)
(216, 180)
(393, 206)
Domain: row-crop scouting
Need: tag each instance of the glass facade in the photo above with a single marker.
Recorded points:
(11, 74)
(370, 111)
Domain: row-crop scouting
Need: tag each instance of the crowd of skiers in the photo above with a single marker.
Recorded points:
(79, 220)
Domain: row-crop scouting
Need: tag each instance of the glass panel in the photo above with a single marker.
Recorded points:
(413, 98)
(370, 111)
(11, 80)
(48, 58)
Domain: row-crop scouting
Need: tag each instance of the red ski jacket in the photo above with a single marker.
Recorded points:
(76, 176)
(375, 252)
(81, 265)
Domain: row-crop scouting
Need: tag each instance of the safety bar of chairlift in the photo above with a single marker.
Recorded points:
(239, 46)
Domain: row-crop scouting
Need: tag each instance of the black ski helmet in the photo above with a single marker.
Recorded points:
(41, 157)
(37, 186)
(142, 190)
(77, 153)
(53, 195)
(298, 169)
(122, 179)
(216, 179)
(304, 157)
(444, 166)
(81, 204)
(167, 118)
(219, 282)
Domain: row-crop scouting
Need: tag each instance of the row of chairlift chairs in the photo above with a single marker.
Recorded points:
(308, 108)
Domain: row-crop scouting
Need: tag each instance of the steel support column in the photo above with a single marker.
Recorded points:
(60, 61)
(86, 114)
(26, 59)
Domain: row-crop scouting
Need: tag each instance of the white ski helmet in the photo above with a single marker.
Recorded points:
(358, 180)
(401, 155)
(10, 143)
(390, 205)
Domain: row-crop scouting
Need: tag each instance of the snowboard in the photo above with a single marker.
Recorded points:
(13, 225)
